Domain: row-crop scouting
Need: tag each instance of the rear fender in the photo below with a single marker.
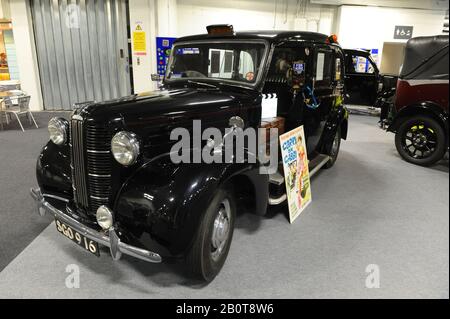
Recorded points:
(339, 118)
(425, 108)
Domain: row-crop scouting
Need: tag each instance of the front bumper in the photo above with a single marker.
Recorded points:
(111, 240)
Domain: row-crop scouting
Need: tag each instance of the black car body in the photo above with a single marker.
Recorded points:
(160, 208)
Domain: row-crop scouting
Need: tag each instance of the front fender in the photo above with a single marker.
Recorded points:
(164, 202)
(53, 170)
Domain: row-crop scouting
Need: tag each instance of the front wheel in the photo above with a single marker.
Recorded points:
(333, 149)
(421, 140)
(213, 239)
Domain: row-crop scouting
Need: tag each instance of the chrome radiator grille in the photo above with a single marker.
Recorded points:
(91, 164)
(98, 151)
(79, 183)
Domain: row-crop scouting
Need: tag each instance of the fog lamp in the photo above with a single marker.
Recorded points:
(104, 217)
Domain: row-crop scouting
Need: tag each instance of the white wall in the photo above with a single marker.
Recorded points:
(158, 18)
(195, 15)
(25, 52)
(167, 18)
(369, 27)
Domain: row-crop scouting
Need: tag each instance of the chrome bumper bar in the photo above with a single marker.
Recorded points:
(112, 240)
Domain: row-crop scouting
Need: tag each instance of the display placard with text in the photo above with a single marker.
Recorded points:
(296, 171)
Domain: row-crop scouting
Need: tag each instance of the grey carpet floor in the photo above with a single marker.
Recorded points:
(19, 224)
(371, 208)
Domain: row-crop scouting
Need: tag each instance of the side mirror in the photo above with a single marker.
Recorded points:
(156, 77)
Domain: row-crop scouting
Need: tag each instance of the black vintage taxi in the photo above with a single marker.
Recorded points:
(107, 175)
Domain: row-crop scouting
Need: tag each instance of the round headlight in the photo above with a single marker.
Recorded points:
(125, 148)
(104, 217)
(57, 128)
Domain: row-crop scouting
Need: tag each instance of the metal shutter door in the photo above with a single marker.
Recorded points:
(82, 50)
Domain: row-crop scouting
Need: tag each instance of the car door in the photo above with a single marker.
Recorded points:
(323, 88)
(361, 79)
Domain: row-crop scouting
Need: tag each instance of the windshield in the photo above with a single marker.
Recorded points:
(234, 61)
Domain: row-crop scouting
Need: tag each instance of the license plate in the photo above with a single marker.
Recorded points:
(88, 244)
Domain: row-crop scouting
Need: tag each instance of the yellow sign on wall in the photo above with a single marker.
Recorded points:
(139, 41)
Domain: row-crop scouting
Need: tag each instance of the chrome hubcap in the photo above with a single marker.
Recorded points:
(221, 229)
(419, 141)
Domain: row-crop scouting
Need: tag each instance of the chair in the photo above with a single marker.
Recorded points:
(22, 108)
(15, 94)
(5, 103)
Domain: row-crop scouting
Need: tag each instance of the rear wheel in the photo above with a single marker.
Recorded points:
(421, 140)
(333, 149)
(213, 238)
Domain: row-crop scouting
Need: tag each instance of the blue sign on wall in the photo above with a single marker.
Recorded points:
(163, 48)
(367, 65)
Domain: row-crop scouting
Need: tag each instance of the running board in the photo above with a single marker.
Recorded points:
(277, 201)
(314, 166)
(276, 178)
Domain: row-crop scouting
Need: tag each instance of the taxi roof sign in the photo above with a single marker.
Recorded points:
(222, 29)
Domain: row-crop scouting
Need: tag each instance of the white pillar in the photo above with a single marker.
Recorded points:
(167, 18)
(26, 52)
(143, 12)
(2, 15)
(4, 9)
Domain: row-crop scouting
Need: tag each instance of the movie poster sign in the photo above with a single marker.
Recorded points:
(296, 171)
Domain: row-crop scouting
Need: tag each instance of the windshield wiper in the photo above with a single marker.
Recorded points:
(210, 86)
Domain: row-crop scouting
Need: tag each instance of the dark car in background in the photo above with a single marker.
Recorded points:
(419, 114)
(362, 77)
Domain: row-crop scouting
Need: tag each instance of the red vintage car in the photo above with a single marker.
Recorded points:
(419, 115)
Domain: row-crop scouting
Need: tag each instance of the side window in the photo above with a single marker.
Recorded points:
(280, 64)
(285, 58)
(221, 63)
(228, 65)
(362, 64)
(246, 65)
(215, 62)
(324, 67)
